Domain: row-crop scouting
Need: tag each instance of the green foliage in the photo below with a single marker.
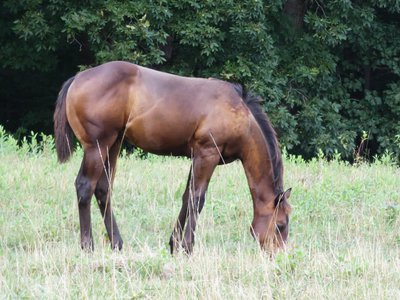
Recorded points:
(342, 77)
(119, 31)
(32, 145)
(325, 82)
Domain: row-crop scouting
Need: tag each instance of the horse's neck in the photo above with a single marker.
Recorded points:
(258, 168)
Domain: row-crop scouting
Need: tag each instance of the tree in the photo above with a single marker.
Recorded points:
(328, 70)
(342, 71)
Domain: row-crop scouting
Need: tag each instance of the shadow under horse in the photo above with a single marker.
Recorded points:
(210, 121)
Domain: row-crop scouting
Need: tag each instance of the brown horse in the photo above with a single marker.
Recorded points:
(210, 121)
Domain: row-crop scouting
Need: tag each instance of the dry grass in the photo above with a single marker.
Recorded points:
(344, 241)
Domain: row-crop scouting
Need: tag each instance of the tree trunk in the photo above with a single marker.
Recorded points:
(367, 78)
(168, 47)
(295, 10)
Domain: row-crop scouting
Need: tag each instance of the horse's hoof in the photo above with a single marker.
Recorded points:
(188, 247)
(117, 246)
(87, 246)
(173, 246)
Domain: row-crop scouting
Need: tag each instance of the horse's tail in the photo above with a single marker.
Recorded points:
(62, 130)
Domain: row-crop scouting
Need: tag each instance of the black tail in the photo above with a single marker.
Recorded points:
(62, 131)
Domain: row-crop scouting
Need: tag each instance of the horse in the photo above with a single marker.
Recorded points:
(210, 121)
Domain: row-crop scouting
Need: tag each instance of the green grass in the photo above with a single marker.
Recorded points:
(344, 238)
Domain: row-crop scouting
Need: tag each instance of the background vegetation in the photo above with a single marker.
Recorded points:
(329, 70)
(344, 241)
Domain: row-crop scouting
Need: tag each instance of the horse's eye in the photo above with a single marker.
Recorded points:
(281, 227)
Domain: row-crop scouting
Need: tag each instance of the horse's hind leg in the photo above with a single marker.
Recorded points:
(85, 183)
(103, 196)
(176, 236)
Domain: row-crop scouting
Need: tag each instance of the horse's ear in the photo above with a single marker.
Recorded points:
(281, 201)
(287, 193)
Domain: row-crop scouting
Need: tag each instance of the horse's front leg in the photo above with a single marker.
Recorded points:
(203, 167)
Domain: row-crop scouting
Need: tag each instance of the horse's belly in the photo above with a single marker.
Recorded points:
(160, 136)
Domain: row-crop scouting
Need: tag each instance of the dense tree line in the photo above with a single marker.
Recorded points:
(328, 70)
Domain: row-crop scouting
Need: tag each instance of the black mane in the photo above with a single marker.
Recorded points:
(253, 102)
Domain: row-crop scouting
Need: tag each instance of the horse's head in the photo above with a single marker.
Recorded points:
(272, 228)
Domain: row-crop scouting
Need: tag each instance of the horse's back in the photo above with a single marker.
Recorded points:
(176, 115)
(158, 112)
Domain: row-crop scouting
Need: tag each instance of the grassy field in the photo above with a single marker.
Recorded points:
(344, 239)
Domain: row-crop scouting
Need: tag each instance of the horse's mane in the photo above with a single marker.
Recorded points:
(253, 102)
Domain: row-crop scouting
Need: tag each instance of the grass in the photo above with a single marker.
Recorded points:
(344, 238)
